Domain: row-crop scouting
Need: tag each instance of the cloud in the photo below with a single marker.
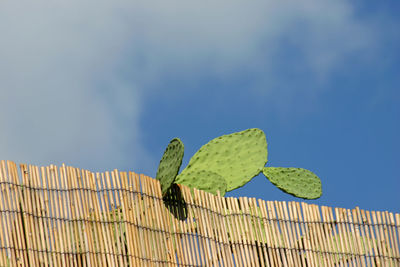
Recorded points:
(74, 76)
(61, 99)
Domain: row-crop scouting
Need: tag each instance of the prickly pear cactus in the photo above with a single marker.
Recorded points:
(169, 164)
(204, 180)
(295, 181)
(237, 157)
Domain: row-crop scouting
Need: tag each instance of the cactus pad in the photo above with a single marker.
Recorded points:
(204, 180)
(169, 164)
(237, 157)
(295, 181)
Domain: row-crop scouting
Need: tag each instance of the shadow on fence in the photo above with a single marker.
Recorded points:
(64, 216)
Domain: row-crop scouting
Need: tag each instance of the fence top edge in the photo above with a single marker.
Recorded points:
(63, 166)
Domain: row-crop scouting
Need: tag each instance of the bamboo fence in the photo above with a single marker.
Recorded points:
(64, 216)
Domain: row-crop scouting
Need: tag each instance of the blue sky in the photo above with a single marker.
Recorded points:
(103, 85)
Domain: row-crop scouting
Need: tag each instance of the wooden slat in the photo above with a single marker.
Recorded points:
(70, 217)
(297, 234)
(255, 231)
(31, 225)
(126, 205)
(58, 196)
(233, 238)
(310, 235)
(242, 257)
(22, 256)
(9, 257)
(273, 254)
(284, 232)
(138, 209)
(10, 214)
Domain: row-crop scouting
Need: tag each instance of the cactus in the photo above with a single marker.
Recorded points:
(229, 162)
(237, 157)
(169, 164)
(295, 181)
(204, 180)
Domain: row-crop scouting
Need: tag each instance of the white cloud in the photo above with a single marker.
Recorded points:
(73, 74)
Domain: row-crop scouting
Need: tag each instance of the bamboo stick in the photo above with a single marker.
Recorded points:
(71, 217)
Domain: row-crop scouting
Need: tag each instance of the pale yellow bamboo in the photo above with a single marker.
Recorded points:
(326, 232)
(138, 208)
(212, 233)
(390, 240)
(357, 233)
(7, 221)
(144, 223)
(32, 230)
(306, 227)
(193, 215)
(247, 230)
(12, 214)
(186, 226)
(213, 228)
(276, 233)
(383, 238)
(59, 195)
(284, 232)
(88, 231)
(377, 260)
(98, 227)
(318, 247)
(272, 248)
(342, 236)
(18, 195)
(337, 245)
(397, 217)
(52, 200)
(221, 237)
(123, 223)
(366, 237)
(253, 221)
(320, 234)
(297, 236)
(3, 224)
(93, 238)
(134, 192)
(350, 230)
(242, 259)
(105, 215)
(66, 214)
(69, 221)
(291, 229)
(388, 237)
(393, 237)
(47, 212)
(44, 213)
(151, 220)
(258, 232)
(379, 238)
(201, 228)
(126, 204)
(112, 214)
(231, 232)
(164, 223)
(78, 239)
(242, 231)
(225, 232)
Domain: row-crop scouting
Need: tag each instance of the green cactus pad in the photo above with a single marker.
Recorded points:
(204, 180)
(237, 157)
(295, 181)
(169, 164)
